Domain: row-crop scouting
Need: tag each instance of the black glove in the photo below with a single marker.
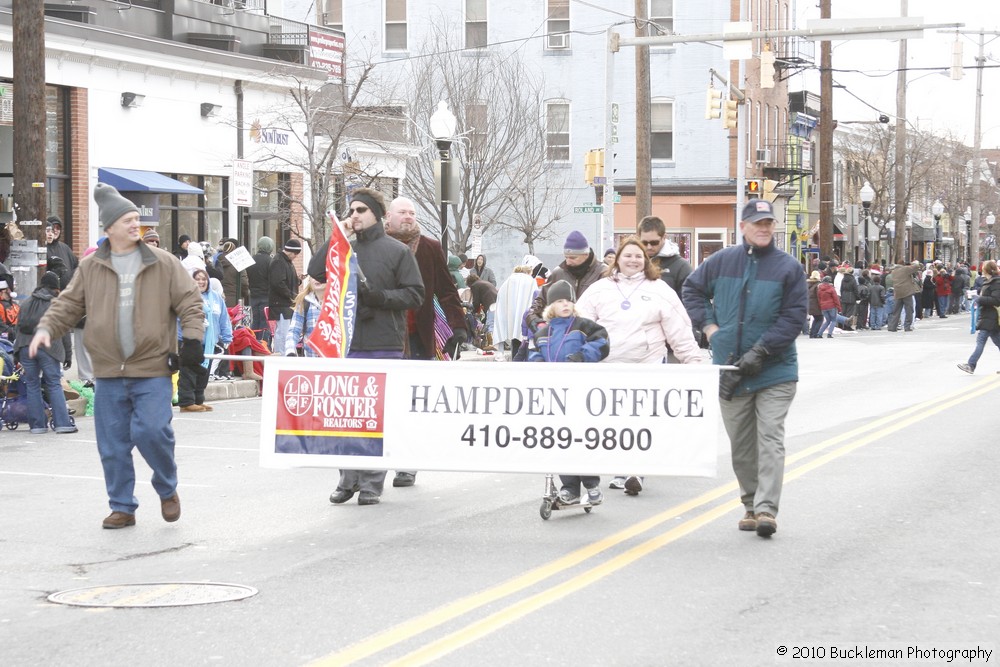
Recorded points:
(576, 357)
(728, 382)
(454, 344)
(752, 360)
(192, 353)
(67, 364)
(373, 298)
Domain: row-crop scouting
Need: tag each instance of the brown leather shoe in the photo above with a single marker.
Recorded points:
(170, 508)
(206, 408)
(749, 521)
(766, 524)
(119, 520)
(194, 407)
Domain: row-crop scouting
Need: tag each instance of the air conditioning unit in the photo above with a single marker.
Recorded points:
(763, 156)
(560, 41)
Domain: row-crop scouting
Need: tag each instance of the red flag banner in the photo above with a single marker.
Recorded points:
(331, 337)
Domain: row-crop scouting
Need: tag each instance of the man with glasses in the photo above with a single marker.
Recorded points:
(389, 285)
(750, 302)
(664, 253)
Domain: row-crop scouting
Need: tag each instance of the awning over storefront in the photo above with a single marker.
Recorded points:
(137, 180)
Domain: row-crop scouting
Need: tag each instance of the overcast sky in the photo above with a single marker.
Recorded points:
(934, 101)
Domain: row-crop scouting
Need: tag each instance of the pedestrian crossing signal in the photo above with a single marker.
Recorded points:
(753, 189)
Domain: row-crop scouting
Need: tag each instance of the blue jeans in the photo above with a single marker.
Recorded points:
(280, 334)
(981, 338)
(134, 413)
(877, 317)
(44, 368)
(942, 305)
(829, 321)
(260, 326)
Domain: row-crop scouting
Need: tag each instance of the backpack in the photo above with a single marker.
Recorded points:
(863, 292)
(31, 314)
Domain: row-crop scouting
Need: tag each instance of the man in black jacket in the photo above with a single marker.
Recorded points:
(283, 285)
(258, 275)
(389, 285)
(663, 252)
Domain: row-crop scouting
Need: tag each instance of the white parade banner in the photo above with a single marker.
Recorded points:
(588, 419)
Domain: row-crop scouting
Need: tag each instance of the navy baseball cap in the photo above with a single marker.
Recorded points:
(757, 210)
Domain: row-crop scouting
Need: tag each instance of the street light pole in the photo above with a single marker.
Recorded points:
(867, 193)
(937, 209)
(968, 235)
(990, 220)
(442, 128)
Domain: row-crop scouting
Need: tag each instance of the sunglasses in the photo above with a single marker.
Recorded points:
(360, 210)
(651, 243)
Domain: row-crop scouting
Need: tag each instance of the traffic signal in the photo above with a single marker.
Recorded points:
(956, 60)
(713, 104)
(593, 165)
(767, 68)
(768, 190)
(729, 114)
(753, 189)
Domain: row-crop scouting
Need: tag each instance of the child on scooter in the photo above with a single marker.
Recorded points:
(569, 337)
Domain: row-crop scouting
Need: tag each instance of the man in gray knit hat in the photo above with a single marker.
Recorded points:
(132, 294)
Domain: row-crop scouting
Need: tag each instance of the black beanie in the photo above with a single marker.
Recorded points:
(560, 289)
(50, 280)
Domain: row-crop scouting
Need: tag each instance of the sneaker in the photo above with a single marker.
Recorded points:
(170, 508)
(39, 431)
(962, 367)
(766, 525)
(617, 483)
(749, 521)
(595, 496)
(66, 429)
(567, 497)
(404, 479)
(119, 520)
(633, 485)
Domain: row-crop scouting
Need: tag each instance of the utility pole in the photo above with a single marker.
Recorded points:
(977, 154)
(643, 129)
(825, 139)
(28, 23)
(900, 168)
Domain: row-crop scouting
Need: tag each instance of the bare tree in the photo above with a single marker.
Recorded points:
(320, 117)
(501, 144)
(537, 203)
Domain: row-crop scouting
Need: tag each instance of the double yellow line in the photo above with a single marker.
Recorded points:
(855, 438)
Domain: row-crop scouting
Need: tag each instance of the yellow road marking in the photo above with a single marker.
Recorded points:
(376, 643)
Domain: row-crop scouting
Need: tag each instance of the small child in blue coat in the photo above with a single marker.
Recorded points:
(569, 337)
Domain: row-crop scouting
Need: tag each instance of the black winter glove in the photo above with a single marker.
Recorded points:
(454, 344)
(752, 360)
(67, 364)
(576, 357)
(373, 298)
(192, 353)
(728, 382)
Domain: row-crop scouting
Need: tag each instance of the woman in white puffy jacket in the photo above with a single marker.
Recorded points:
(642, 315)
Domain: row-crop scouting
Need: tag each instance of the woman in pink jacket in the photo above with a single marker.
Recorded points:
(642, 315)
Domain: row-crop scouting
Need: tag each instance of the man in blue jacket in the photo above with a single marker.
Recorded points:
(750, 301)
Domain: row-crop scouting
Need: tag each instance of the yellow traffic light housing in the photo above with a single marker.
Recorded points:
(729, 114)
(713, 104)
(767, 68)
(593, 165)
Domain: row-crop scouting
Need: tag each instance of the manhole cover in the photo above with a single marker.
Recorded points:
(165, 594)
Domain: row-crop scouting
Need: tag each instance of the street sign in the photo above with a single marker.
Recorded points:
(593, 208)
(617, 199)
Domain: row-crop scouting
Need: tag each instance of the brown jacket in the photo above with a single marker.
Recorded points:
(902, 281)
(164, 292)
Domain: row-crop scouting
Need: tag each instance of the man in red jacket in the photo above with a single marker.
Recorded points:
(401, 224)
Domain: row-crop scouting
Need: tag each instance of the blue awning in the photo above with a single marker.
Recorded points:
(137, 180)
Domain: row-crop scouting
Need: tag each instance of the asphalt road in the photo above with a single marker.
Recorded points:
(887, 538)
